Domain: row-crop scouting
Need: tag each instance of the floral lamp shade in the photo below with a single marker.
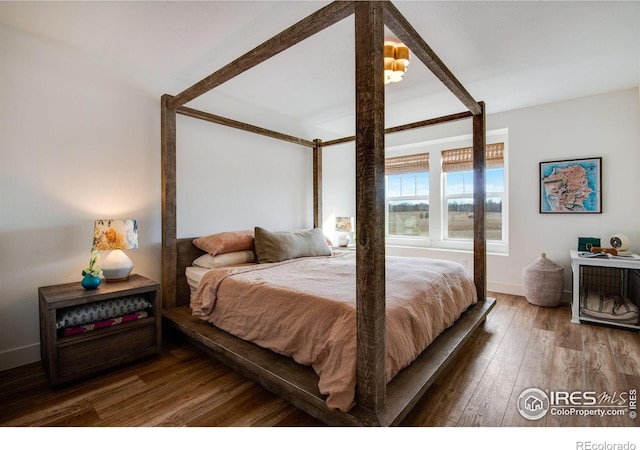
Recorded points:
(116, 235)
(345, 224)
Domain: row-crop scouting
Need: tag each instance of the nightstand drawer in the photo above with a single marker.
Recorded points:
(104, 350)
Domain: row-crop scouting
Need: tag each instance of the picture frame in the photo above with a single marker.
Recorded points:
(571, 186)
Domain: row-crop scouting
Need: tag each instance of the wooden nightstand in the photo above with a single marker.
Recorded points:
(68, 358)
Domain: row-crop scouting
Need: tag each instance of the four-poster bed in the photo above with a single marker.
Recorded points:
(377, 402)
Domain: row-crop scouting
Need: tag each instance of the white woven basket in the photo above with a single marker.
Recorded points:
(543, 282)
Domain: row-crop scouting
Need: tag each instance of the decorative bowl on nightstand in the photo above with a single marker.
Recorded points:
(90, 281)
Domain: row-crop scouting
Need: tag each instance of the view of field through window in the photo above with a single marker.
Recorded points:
(408, 204)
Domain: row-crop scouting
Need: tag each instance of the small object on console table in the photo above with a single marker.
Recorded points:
(611, 251)
(621, 243)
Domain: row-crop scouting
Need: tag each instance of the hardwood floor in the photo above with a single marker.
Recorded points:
(520, 346)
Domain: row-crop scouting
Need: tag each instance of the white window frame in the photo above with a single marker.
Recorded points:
(438, 212)
(401, 198)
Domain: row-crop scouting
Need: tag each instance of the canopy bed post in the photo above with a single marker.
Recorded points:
(406, 127)
(168, 181)
(479, 201)
(190, 112)
(378, 402)
(316, 22)
(370, 254)
(403, 30)
(317, 183)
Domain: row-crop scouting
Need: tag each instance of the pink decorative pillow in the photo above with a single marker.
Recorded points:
(226, 242)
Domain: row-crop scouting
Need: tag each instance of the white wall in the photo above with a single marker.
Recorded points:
(606, 125)
(230, 180)
(79, 141)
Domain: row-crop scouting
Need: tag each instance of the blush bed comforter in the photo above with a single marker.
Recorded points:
(306, 309)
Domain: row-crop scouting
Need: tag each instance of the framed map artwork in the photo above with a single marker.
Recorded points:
(571, 186)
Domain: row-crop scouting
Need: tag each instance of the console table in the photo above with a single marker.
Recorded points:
(626, 284)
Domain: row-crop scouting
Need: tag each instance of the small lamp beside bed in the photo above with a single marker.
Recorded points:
(345, 226)
(116, 235)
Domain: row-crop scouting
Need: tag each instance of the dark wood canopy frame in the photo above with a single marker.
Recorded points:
(378, 402)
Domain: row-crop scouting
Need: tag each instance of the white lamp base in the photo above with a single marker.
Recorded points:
(116, 266)
(344, 240)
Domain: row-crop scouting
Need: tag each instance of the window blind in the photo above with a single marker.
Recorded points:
(461, 159)
(407, 164)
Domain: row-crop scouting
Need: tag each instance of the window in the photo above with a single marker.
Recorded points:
(429, 195)
(407, 198)
(457, 169)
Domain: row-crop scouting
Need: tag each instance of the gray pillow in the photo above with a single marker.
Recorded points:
(281, 246)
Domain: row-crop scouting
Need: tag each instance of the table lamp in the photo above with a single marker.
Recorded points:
(345, 226)
(116, 235)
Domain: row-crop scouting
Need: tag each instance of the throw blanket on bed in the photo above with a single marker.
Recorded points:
(306, 308)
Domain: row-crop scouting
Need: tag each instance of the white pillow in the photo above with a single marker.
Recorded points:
(225, 259)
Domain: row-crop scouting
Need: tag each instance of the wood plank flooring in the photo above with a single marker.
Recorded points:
(520, 346)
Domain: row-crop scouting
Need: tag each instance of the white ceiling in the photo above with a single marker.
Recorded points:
(510, 54)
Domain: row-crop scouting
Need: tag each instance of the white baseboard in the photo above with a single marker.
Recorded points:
(505, 288)
(517, 289)
(19, 357)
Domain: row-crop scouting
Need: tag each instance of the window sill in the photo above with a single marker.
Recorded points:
(493, 248)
